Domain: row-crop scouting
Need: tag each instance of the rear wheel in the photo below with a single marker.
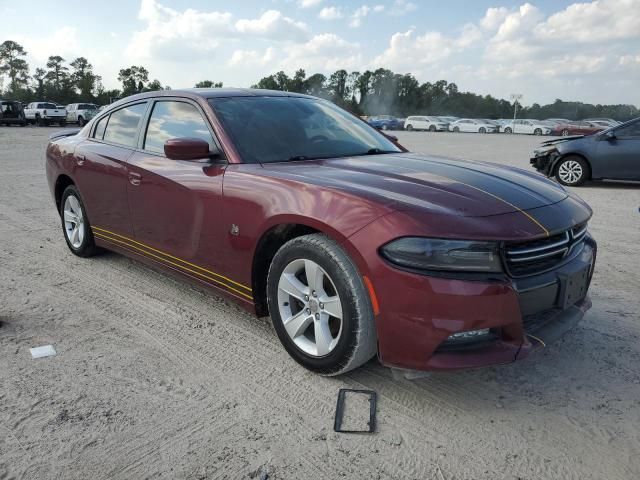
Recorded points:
(482, 130)
(75, 224)
(565, 133)
(319, 306)
(508, 130)
(432, 128)
(81, 121)
(385, 126)
(537, 131)
(456, 129)
(572, 171)
(39, 122)
(409, 127)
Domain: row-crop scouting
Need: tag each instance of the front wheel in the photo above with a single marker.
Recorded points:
(572, 171)
(409, 128)
(508, 130)
(320, 307)
(565, 133)
(482, 130)
(456, 129)
(537, 131)
(432, 128)
(75, 224)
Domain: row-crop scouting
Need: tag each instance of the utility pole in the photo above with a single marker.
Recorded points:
(515, 97)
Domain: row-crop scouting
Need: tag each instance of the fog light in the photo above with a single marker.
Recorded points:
(469, 335)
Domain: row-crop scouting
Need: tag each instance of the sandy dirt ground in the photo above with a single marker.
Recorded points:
(154, 378)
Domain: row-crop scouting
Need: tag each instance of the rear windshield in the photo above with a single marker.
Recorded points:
(47, 105)
(280, 129)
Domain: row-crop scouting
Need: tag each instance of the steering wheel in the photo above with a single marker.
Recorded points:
(318, 138)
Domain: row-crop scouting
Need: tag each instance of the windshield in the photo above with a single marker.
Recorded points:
(277, 129)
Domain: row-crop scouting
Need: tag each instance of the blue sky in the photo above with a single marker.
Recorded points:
(588, 51)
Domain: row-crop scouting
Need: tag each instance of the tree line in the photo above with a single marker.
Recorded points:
(375, 92)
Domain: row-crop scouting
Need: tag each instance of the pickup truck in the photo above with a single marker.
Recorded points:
(45, 113)
(81, 113)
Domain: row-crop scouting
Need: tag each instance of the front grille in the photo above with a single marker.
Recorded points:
(529, 258)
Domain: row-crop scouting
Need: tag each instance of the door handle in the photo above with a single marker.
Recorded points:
(135, 178)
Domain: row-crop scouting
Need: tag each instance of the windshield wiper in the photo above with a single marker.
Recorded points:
(378, 151)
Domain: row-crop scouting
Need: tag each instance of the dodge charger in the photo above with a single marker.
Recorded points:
(300, 211)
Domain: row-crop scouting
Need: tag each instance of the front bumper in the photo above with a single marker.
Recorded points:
(420, 312)
(544, 162)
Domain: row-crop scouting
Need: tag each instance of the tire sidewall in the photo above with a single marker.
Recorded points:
(340, 356)
(87, 248)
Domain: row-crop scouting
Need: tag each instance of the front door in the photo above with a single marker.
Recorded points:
(176, 205)
(619, 157)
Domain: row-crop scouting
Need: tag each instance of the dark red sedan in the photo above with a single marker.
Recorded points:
(296, 209)
(576, 128)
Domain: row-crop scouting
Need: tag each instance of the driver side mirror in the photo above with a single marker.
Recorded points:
(188, 149)
(610, 135)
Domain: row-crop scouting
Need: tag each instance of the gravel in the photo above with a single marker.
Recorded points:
(156, 379)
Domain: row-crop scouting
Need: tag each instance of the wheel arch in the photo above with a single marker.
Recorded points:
(269, 243)
(62, 182)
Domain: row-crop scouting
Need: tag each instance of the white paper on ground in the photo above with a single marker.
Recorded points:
(44, 351)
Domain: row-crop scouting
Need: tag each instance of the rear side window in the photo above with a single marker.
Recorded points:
(172, 119)
(123, 125)
(101, 125)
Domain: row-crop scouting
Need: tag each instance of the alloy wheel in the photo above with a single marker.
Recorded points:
(570, 172)
(310, 307)
(74, 226)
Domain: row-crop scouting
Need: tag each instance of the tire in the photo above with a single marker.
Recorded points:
(409, 127)
(456, 129)
(482, 130)
(38, 121)
(83, 245)
(350, 341)
(565, 133)
(508, 130)
(385, 126)
(572, 171)
(537, 131)
(81, 121)
(432, 128)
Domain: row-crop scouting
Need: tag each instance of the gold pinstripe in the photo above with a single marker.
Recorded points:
(171, 256)
(161, 259)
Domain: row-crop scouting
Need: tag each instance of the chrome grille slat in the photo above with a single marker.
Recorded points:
(536, 256)
(522, 251)
(540, 256)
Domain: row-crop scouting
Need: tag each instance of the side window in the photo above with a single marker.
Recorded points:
(123, 125)
(629, 131)
(173, 119)
(99, 131)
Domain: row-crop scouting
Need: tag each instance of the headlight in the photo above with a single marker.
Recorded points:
(440, 254)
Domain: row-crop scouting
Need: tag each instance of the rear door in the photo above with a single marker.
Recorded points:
(619, 158)
(176, 205)
(100, 169)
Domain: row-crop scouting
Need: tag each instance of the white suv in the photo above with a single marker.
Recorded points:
(433, 124)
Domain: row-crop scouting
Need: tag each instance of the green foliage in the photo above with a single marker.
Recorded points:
(133, 79)
(208, 84)
(12, 65)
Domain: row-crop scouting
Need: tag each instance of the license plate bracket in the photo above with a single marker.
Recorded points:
(573, 287)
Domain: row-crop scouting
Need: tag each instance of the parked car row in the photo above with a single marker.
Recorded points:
(45, 113)
(551, 126)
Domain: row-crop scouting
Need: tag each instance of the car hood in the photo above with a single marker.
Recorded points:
(409, 181)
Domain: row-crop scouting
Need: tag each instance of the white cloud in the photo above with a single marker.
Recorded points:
(408, 50)
(309, 3)
(274, 25)
(494, 18)
(326, 52)
(251, 58)
(402, 7)
(330, 13)
(63, 41)
(603, 20)
(358, 15)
